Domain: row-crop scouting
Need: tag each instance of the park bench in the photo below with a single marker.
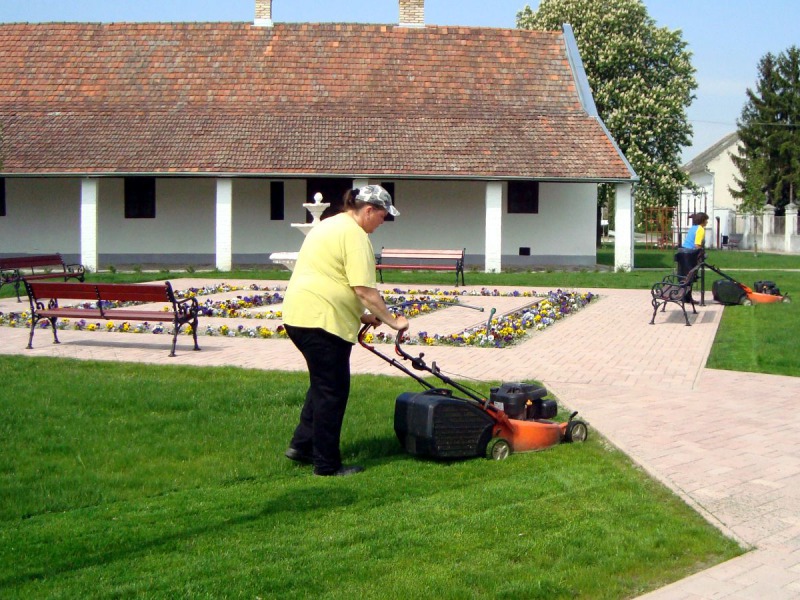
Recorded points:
(103, 301)
(14, 269)
(733, 241)
(420, 260)
(674, 288)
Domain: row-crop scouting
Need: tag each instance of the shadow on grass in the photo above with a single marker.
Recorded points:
(300, 498)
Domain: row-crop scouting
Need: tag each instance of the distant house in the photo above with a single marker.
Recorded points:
(713, 172)
(197, 143)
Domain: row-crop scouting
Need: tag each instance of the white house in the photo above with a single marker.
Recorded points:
(197, 143)
(713, 172)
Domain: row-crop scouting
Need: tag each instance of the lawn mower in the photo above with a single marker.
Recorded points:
(516, 417)
(730, 291)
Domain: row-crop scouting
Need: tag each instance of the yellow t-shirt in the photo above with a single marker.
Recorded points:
(336, 255)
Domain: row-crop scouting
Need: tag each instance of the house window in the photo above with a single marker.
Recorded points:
(332, 190)
(140, 197)
(523, 197)
(2, 196)
(389, 187)
(276, 201)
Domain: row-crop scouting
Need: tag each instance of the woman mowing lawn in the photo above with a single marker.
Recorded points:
(332, 284)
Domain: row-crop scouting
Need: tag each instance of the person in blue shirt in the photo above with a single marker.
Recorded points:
(697, 232)
(691, 251)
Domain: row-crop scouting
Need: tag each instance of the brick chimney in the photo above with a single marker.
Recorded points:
(412, 13)
(263, 13)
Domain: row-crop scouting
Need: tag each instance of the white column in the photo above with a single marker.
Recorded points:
(224, 248)
(790, 226)
(358, 183)
(89, 194)
(768, 228)
(746, 242)
(494, 227)
(623, 227)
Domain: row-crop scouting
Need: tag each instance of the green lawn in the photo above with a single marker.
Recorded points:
(158, 481)
(122, 480)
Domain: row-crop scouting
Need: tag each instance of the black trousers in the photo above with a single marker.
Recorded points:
(320, 427)
(687, 260)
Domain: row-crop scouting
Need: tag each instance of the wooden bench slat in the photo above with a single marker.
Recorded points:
(421, 253)
(419, 267)
(71, 291)
(70, 313)
(132, 292)
(115, 314)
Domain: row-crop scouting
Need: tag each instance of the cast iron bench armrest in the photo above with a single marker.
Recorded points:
(181, 312)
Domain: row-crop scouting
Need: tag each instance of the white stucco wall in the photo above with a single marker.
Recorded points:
(451, 214)
(435, 214)
(253, 231)
(184, 222)
(42, 216)
(565, 226)
(724, 173)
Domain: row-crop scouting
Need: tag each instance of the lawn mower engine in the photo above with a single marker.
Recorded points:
(436, 424)
(523, 401)
(766, 287)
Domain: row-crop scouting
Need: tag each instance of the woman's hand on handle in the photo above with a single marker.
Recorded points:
(378, 312)
(400, 324)
(370, 319)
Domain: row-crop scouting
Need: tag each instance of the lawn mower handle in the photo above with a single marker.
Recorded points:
(418, 363)
(392, 361)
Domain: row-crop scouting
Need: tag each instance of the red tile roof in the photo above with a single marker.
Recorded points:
(295, 99)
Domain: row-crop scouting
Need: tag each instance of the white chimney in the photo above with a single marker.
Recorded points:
(412, 13)
(263, 13)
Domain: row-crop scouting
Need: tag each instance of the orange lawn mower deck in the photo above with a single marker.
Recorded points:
(516, 417)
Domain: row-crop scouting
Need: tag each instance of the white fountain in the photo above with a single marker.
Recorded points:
(316, 208)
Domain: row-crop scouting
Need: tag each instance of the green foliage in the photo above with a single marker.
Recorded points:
(642, 80)
(769, 130)
(126, 480)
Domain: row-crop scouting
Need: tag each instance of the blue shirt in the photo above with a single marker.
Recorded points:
(694, 237)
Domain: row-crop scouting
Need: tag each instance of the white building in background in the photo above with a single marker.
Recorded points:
(714, 173)
(198, 143)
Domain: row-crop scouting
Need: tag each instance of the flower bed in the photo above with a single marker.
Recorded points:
(500, 332)
(506, 330)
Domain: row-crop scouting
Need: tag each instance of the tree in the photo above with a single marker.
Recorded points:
(769, 131)
(642, 80)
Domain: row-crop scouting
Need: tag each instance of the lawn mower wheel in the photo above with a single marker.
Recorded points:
(577, 431)
(498, 449)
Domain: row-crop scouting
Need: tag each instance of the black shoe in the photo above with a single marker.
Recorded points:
(298, 456)
(341, 471)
